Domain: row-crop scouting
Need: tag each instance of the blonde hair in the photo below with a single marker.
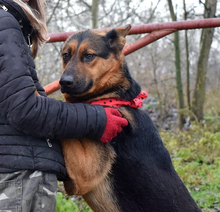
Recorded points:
(35, 11)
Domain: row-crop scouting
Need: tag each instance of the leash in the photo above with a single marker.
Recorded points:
(117, 102)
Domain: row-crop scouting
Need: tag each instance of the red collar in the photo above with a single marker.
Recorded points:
(117, 102)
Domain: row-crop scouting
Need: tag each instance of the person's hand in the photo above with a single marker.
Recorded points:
(114, 124)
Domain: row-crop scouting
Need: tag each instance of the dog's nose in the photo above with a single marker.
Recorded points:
(66, 82)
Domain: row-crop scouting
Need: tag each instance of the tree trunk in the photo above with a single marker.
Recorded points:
(179, 86)
(205, 45)
(94, 14)
(187, 61)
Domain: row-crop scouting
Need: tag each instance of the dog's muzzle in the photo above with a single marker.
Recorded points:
(66, 83)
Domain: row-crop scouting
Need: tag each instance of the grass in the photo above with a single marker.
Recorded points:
(196, 158)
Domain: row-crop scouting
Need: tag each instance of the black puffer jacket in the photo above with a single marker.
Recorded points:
(27, 121)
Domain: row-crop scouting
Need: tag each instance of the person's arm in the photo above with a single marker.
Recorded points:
(42, 116)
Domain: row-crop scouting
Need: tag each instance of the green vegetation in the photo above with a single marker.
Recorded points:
(196, 158)
(65, 204)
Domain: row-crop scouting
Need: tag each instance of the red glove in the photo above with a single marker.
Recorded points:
(114, 124)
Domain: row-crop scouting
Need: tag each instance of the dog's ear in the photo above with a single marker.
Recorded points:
(116, 37)
(123, 31)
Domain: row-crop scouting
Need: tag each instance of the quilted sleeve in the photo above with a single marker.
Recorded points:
(38, 116)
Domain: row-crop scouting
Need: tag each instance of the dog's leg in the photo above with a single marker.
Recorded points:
(88, 162)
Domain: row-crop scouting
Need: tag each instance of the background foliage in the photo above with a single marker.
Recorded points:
(196, 158)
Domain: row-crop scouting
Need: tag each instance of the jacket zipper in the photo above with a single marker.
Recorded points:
(20, 22)
(29, 40)
(48, 142)
(4, 7)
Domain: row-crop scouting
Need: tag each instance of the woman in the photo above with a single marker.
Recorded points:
(30, 157)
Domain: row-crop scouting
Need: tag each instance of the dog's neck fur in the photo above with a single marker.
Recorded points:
(134, 88)
(120, 91)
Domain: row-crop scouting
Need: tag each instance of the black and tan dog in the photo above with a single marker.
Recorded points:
(134, 172)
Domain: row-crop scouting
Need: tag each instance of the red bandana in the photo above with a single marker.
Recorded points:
(117, 102)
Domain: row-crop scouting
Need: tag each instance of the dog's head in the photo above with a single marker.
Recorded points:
(93, 64)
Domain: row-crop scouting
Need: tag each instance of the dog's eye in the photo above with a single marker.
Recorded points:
(88, 57)
(66, 56)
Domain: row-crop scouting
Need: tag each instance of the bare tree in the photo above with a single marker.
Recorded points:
(205, 45)
(187, 60)
(94, 13)
(178, 67)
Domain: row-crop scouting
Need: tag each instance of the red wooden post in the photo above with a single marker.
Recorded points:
(148, 28)
(153, 36)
